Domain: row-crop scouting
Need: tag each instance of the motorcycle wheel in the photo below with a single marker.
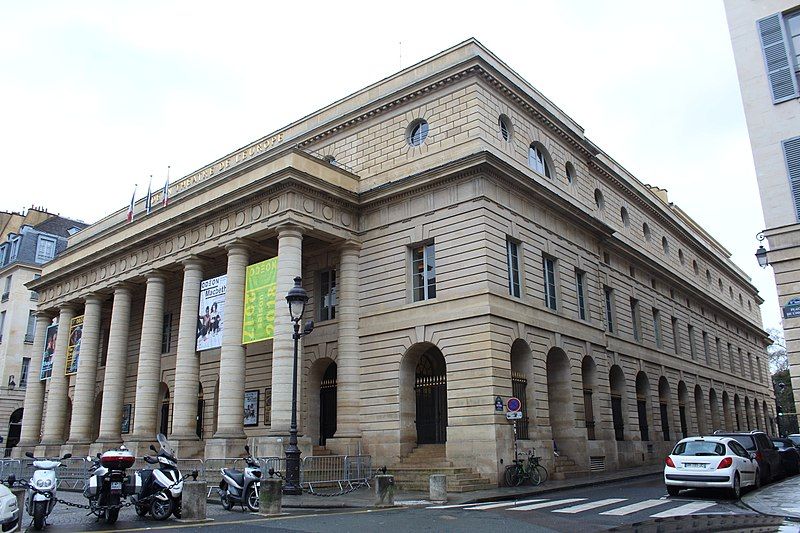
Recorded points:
(227, 504)
(161, 509)
(252, 499)
(112, 514)
(142, 510)
(39, 514)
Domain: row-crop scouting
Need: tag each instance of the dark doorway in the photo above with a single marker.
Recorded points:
(519, 386)
(164, 428)
(616, 414)
(665, 420)
(201, 405)
(684, 426)
(327, 404)
(430, 385)
(588, 413)
(14, 428)
(644, 429)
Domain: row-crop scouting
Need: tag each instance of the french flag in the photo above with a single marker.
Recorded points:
(130, 207)
(165, 194)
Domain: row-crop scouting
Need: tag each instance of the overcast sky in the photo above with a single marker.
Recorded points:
(96, 96)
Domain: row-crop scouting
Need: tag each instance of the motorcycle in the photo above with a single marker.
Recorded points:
(108, 483)
(162, 487)
(39, 503)
(239, 486)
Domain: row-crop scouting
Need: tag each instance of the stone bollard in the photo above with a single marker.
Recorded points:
(270, 495)
(438, 487)
(19, 492)
(384, 491)
(193, 501)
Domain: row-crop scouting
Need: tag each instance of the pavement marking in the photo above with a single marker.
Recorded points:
(501, 504)
(591, 505)
(453, 506)
(635, 507)
(542, 505)
(684, 510)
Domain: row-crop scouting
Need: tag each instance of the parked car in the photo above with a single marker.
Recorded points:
(790, 456)
(9, 510)
(795, 437)
(758, 443)
(711, 462)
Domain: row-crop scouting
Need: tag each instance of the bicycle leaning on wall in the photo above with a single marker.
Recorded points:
(522, 471)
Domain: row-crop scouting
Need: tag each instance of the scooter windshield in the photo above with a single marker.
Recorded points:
(164, 443)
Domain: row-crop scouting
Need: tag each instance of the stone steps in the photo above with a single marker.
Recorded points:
(414, 470)
(316, 451)
(567, 468)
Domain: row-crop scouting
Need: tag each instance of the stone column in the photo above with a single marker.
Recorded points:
(116, 367)
(34, 393)
(148, 374)
(83, 408)
(348, 396)
(187, 366)
(290, 262)
(56, 415)
(230, 413)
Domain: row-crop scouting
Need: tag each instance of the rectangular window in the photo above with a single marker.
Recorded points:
(705, 346)
(719, 352)
(657, 327)
(327, 295)
(549, 265)
(741, 360)
(760, 370)
(580, 286)
(692, 352)
(14, 249)
(791, 154)
(730, 357)
(676, 338)
(779, 51)
(423, 272)
(45, 249)
(2, 324)
(6, 289)
(514, 278)
(750, 364)
(23, 373)
(166, 333)
(609, 295)
(30, 329)
(636, 323)
(588, 413)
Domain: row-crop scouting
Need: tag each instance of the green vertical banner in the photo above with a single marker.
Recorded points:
(259, 301)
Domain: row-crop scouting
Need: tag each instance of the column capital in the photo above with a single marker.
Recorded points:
(44, 313)
(239, 246)
(155, 274)
(67, 306)
(122, 286)
(291, 228)
(93, 297)
(193, 262)
(350, 245)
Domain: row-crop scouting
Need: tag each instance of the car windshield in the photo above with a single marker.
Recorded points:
(699, 447)
(795, 439)
(780, 444)
(746, 441)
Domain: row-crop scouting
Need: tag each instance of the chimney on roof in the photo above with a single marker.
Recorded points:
(661, 193)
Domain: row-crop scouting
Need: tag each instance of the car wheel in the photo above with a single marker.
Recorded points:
(767, 477)
(736, 490)
(757, 482)
(673, 491)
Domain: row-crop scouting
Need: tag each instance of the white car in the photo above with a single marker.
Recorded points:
(710, 462)
(9, 510)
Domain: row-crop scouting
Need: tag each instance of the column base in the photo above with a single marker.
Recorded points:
(218, 448)
(78, 450)
(18, 451)
(48, 450)
(345, 445)
(276, 446)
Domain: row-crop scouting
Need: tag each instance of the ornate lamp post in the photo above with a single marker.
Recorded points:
(297, 299)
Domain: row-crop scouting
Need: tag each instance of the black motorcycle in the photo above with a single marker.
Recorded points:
(109, 483)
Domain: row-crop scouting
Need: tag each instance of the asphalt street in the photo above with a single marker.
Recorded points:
(597, 508)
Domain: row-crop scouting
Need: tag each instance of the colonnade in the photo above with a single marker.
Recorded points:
(50, 422)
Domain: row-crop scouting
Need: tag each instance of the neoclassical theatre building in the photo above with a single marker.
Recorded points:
(461, 241)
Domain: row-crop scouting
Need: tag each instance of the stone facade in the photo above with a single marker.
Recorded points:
(771, 122)
(425, 327)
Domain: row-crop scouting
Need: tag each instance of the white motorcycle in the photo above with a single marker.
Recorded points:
(39, 503)
(162, 488)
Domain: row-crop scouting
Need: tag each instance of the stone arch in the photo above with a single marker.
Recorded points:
(589, 382)
(559, 396)
(700, 410)
(164, 417)
(737, 412)
(522, 384)
(726, 411)
(14, 429)
(665, 407)
(714, 403)
(316, 376)
(643, 406)
(748, 414)
(616, 381)
(423, 387)
(683, 401)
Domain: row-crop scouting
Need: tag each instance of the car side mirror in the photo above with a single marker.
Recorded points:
(752, 455)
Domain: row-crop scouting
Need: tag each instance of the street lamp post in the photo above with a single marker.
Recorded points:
(297, 299)
(781, 385)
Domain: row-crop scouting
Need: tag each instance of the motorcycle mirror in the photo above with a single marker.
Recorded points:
(67, 456)
(153, 448)
(247, 448)
(11, 480)
(29, 455)
(98, 455)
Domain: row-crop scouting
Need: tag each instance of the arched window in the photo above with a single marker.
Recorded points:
(623, 214)
(505, 127)
(537, 159)
(571, 174)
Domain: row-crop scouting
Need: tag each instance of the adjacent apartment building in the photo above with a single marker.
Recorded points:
(766, 44)
(462, 242)
(30, 240)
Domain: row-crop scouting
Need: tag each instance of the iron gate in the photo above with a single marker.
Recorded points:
(327, 405)
(519, 386)
(431, 392)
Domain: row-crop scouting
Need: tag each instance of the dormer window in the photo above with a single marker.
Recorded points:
(73, 230)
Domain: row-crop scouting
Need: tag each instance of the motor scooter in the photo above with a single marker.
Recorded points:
(39, 503)
(239, 486)
(162, 487)
(109, 484)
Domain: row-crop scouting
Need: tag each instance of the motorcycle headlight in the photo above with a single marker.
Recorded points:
(43, 483)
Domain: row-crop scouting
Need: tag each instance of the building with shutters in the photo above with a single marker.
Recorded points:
(30, 240)
(766, 45)
(462, 241)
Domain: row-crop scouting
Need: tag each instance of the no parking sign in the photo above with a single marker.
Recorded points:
(513, 404)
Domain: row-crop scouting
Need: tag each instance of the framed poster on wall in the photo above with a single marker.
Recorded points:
(251, 398)
(268, 406)
(127, 409)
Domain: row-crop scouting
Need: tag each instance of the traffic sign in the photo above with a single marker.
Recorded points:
(514, 415)
(513, 404)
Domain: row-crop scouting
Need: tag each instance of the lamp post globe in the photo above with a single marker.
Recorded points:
(761, 256)
(297, 299)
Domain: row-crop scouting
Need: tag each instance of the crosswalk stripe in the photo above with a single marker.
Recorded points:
(591, 505)
(498, 505)
(634, 507)
(542, 505)
(684, 510)
(452, 506)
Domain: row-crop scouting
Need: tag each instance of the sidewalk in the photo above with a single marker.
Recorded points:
(364, 497)
(777, 499)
